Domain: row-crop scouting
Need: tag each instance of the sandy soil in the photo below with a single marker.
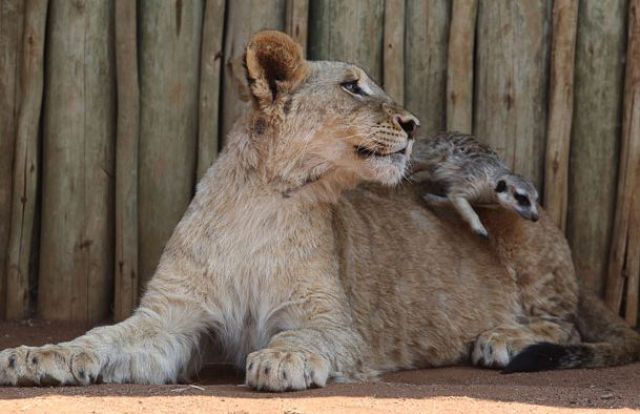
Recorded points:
(444, 390)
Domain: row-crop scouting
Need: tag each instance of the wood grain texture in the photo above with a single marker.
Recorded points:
(563, 46)
(629, 167)
(125, 296)
(460, 66)
(170, 43)
(349, 31)
(11, 22)
(631, 136)
(244, 18)
(393, 53)
(511, 77)
(76, 261)
(297, 21)
(632, 267)
(595, 138)
(210, 78)
(426, 38)
(26, 167)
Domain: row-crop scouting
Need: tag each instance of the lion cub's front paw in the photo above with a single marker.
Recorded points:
(47, 365)
(279, 370)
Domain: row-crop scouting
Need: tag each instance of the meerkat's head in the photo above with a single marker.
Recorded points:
(518, 194)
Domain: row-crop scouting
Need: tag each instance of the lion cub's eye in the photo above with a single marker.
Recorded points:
(353, 87)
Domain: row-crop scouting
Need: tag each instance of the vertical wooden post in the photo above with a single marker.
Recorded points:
(625, 235)
(297, 21)
(511, 79)
(11, 20)
(393, 52)
(460, 66)
(76, 260)
(348, 30)
(596, 133)
(170, 43)
(244, 18)
(127, 140)
(210, 75)
(25, 172)
(426, 39)
(563, 47)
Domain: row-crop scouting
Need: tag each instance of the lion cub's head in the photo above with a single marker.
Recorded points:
(325, 123)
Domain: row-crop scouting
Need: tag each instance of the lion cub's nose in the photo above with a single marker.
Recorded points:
(409, 125)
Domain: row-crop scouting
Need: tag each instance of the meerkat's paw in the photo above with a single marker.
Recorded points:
(496, 348)
(481, 231)
(47, 365)
(281, 370)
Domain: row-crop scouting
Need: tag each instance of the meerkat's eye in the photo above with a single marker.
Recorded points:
(522, 199)
(501, 187)
(353, 87)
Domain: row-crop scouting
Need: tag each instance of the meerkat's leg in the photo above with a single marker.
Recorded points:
(469, 215)
(436, 200)
(497, 347)
(157, 345)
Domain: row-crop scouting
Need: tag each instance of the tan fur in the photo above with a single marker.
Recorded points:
(296, 270)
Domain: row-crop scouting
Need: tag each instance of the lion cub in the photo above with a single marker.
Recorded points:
(472, 173)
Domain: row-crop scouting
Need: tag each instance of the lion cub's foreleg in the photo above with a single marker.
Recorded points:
(323, 345)
(156, 345)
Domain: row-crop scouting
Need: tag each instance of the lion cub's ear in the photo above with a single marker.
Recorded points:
(275, 66)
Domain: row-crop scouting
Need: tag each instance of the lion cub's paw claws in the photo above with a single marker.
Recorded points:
(49, 365)
(279, 370)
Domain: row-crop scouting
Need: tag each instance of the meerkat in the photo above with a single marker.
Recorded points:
(471, 173)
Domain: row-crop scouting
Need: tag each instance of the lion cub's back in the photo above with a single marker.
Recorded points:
(421, 286)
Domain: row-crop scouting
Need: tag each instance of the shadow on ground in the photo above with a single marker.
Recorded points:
(603, 388)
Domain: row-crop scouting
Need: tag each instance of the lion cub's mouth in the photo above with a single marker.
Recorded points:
(368, 152)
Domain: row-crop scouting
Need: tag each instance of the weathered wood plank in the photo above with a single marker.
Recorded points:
(76, 260)
(511, 78)
(350, 31)
(170, 44)
(632, 267)
(11, 20)
(595, 137)
(25, 172)
(631, 135)
(297, 21)
(125, 296)
(244, 18)
(627, 173)
(460, 66)
(210, 76)
(393, 52)
(426, 38)
(563, 46)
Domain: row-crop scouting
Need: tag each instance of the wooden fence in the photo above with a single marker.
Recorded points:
(111, 110)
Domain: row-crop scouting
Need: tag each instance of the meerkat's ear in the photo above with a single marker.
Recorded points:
(275, 66)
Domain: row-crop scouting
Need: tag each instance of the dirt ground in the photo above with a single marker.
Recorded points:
(443, 390)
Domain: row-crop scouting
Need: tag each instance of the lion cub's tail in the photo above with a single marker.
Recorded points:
(609, 342)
